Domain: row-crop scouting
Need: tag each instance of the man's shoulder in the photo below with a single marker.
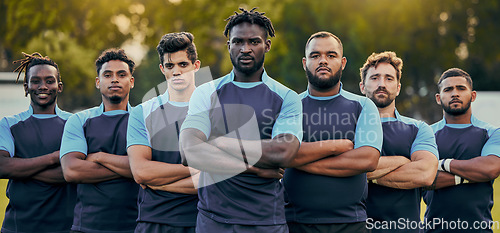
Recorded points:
(14, 119)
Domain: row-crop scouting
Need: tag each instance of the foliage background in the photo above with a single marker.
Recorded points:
(430, 36)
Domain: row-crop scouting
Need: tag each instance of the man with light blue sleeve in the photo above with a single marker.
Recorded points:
(40, 200)
(469, 150)
(409, 152)
(169, 198)
(94, 153)
(327, 187)
(241, 129)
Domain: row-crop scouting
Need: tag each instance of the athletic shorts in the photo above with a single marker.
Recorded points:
(357, 227)
(205, 224)
(147, 227)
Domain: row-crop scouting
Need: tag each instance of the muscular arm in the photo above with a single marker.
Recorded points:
(20, 168)
(78, 170)
(116, 163)
(271, 153)
(387, 164)
(52, 176)
(478, 169)
(153, 173)
(186, 185)
(350, 163)
(420, 172)
(443, 180)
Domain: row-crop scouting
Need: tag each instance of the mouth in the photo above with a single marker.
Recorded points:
(42, 95)
(114, 88)
(323, 70)
(245, 60)
(177, 80)
(455, 102)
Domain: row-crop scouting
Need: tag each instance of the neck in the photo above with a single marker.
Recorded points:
(388, 111)
(460, 119)
(180, 96)
(50, 109)
(253, 77)
(324, 93)
(108, 106)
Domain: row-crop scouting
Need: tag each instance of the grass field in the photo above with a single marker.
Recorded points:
(495, 211)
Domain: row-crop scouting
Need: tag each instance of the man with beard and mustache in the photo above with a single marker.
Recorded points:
(469, 150)
(326, 189)
(94, 153)
(40, 198)
(241, 129)
(409, 154)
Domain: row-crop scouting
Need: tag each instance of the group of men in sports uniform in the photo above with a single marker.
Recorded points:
(244, 153)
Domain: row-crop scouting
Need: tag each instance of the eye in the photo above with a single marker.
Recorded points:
(107, 75)
(183, 65)
(169, 66)
(50, 81)
(314, 56)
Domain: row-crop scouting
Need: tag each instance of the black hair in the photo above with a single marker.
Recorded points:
(177, 41)
(455, 72)
(114, 54)
(252, 17)
(31, 60)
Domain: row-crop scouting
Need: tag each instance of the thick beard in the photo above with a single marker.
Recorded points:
(250, 70)
(456, 111)
(381, 103)
(323, 84)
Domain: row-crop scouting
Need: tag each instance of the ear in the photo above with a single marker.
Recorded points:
(344, 62)
(304, 63)
(399, 89)
(161, 69)
(97, 82)
(268, 45)
(438, 99)
(25, 89)
(228, 45)
(197, 65)
(362, 87)
(473, 96)
(60, 87)
(132, 82)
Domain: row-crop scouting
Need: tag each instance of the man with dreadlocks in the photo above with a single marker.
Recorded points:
(241, 129)
(40, 198)
(94, 155)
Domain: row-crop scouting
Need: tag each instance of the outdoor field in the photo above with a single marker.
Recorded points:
(495, 212)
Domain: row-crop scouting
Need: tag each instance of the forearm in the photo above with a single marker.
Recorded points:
(478, 169)
(78, 170)
(387, 164)
(52, 176)
(116, 163)
(409, 176)
(159, 173)
(21, 168)
(443, 180)
(313, 151)
(187, 185)
(350, 163)
(269, 153)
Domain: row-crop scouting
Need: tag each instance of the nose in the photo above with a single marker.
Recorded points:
(43, 85)
(323, 60)
(176, 71)
(245, 48)
(114, 78)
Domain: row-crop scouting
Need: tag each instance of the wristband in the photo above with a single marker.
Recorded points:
(374, 181)
(444, 165)
(458, 180)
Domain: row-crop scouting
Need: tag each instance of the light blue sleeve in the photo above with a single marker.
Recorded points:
(199, 107)
(425, 140)
(73, 139)
(6, 138)
(137, 133)
(289, 120)
(492, 146)
(369, 127)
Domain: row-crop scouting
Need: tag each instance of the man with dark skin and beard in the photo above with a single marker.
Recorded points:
(241, 129)
(469, 150)
(409, 153)
(326, 189)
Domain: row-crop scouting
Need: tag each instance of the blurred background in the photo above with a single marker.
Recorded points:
(430, 36)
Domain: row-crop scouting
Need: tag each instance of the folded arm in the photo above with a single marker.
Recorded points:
(350, 163)
(478, 169)
(116, 163)
(78, 170)
(21, 168)
(420, 172)
(186, 185)
(154, 173)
